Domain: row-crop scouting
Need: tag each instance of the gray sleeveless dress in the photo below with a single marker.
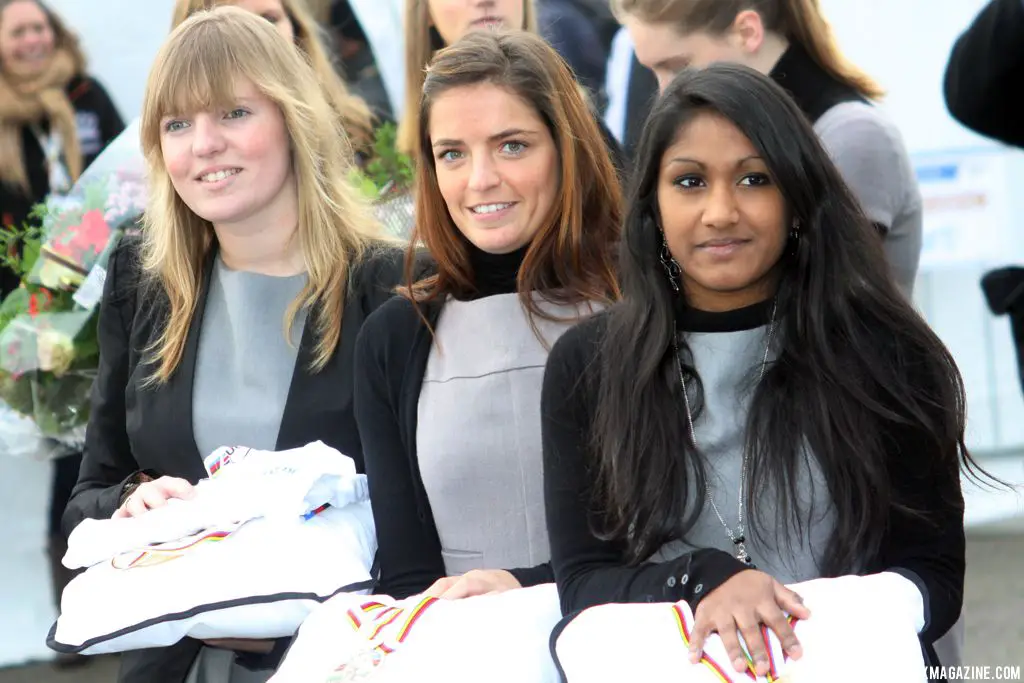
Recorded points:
(478, 434)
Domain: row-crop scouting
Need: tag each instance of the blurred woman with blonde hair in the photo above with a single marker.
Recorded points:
(294, 20)
(55, 119)
(234, 321)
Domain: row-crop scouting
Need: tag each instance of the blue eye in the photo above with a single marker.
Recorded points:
(514, 147)
(449, 155)
(237, 113)
(174, 126)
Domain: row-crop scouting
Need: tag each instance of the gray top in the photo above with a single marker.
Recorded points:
(244, 369)
(729, 365)
(869, 152)
(478, 436)
(244, 364)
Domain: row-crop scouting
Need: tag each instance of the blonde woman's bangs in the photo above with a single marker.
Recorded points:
(199, 69)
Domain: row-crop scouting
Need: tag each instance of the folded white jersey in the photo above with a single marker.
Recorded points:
(243, 484)
(265, 539)
(860, 628)
(501, 638)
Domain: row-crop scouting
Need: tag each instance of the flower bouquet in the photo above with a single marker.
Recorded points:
(49, 352)
(387, 181)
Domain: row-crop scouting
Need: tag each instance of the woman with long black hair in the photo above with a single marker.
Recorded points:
(763, 407)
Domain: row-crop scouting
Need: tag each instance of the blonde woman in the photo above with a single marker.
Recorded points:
(234, 321)
(294, 20)
(434, 24)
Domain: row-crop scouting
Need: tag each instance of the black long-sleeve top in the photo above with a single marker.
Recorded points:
(985, 74)
(590, 571)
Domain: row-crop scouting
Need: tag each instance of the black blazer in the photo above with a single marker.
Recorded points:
(133, 428)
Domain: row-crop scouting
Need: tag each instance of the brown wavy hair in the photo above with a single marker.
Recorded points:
(799, 21)
(571, 258)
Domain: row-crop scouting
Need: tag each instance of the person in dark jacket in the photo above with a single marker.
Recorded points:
(581, 31)
(985, 73)
(54, 120)
(245, 239)
(983, 90)
(764, 407)
(519, 208)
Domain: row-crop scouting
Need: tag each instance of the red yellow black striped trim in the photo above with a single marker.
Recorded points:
(718, 670)
(159, 555)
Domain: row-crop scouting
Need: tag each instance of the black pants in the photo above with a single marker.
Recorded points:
(62, 482)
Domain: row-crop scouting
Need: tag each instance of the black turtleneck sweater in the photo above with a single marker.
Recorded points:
(390, 362)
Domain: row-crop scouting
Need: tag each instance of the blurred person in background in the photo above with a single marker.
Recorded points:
(983, 92)
(630, 89)
(371, 59)
(294, 20)
(54, 120)
(581, 31)
(986, 71)
(791, 41)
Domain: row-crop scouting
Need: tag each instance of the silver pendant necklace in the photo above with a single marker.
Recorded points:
(738, 536)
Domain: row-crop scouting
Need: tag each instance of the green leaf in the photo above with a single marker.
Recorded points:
(388, 165)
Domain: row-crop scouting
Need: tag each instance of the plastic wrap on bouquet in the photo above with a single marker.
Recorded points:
(48, 346)
(395, 212)
(79, 228)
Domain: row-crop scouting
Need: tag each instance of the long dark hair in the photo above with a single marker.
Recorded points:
(853, 358)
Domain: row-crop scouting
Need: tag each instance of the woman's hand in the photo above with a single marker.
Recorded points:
(154, 494)
(474, 582)
(743, 603)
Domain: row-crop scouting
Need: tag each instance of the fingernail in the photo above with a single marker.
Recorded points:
(795, 651)
(740, 664)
